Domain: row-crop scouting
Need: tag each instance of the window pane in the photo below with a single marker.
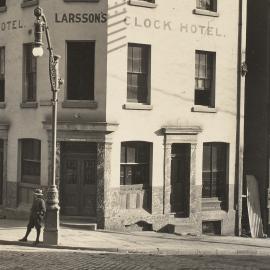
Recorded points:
(2, 3)
(30, 155)
(80, 70)
(2, 74)
(135, 169)
(131, 154)
(207, 4)
(214, 169)
(137, 78)
(29, 73)
(204, 62)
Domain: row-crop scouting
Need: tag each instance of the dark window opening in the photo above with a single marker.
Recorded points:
(135, 163)
(30, 73)
(204, 78)
(80, 70)
(30, 161)
(210, 5)
(138, 73)
(214, 176)
(2, 3)
(2, 74)
(211, 227)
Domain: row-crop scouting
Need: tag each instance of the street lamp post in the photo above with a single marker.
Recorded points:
(52, 215)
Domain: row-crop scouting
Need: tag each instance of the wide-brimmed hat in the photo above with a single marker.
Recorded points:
(38, 192)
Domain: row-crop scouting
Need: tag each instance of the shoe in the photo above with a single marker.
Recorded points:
(36, 243)
(23, 240)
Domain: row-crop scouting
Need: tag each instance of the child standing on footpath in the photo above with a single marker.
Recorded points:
(36, 217)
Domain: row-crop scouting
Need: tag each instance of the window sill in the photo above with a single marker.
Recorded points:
(203, 109)
(88, 104)
(90, 1)
(45, 102)
(28, 185)
(29, 3)
(26, 105)
(142, 3)
(3, 9)
(137, 106)
(2, 105)
(205, 12)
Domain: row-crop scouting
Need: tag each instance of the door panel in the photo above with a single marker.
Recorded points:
(88, 187)
(78, 185)
(70, 186)
(180, 179)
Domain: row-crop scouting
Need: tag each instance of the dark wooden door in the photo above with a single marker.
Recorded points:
(180, 179)
(78, 185)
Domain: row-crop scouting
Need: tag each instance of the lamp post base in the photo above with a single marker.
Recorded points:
(51, 229)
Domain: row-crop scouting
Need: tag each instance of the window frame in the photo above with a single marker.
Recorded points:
(29, 3)
(32, 72)
(200, 93)
(84, 103)
(33, 179)
(212, 8)
(146, 49)
(137, 166)
(3, 7)
(143, 3)
(219, 190)
(2, 71)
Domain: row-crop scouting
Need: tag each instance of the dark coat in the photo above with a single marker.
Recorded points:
(37, 213)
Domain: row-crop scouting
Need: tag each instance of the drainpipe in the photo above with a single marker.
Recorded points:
(241, 72)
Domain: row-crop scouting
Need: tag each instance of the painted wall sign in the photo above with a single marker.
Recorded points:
(167, 25)
(100, 17)
(10, 25)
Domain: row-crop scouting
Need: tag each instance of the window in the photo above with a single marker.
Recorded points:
(143, 3)
(29, 3)
(2, 3)
(210, 5)
(204, 78)
(30, 161)
(138, 73)
(214, 174)
(2, 74)
(80, 70)
(30, 74)
(135, 163)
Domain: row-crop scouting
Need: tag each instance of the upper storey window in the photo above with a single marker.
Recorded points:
(210, 5)
(143, 3)
(29, 3)
(2, 74)
(80, 70)
(2, 3)
(138, 75)
(205, 78)
(3, 6)
(29, 74)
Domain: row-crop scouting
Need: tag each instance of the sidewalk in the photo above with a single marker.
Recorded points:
(139, 242)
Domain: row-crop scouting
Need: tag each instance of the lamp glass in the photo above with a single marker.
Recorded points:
(37, 51)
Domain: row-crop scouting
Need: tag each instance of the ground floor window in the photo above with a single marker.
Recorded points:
(135, 163)
(30, 161)
(214, 175)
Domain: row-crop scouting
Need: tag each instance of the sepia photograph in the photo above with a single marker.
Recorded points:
(134, 134)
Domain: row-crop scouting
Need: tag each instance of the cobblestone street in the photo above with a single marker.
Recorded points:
(19, 258)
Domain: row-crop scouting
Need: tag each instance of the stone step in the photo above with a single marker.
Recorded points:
(185, 229)
(78, 225)
(79, 222)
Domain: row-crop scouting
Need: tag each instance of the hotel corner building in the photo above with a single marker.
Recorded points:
(147, 115)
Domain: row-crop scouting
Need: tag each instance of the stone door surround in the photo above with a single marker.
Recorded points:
(173, 134)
